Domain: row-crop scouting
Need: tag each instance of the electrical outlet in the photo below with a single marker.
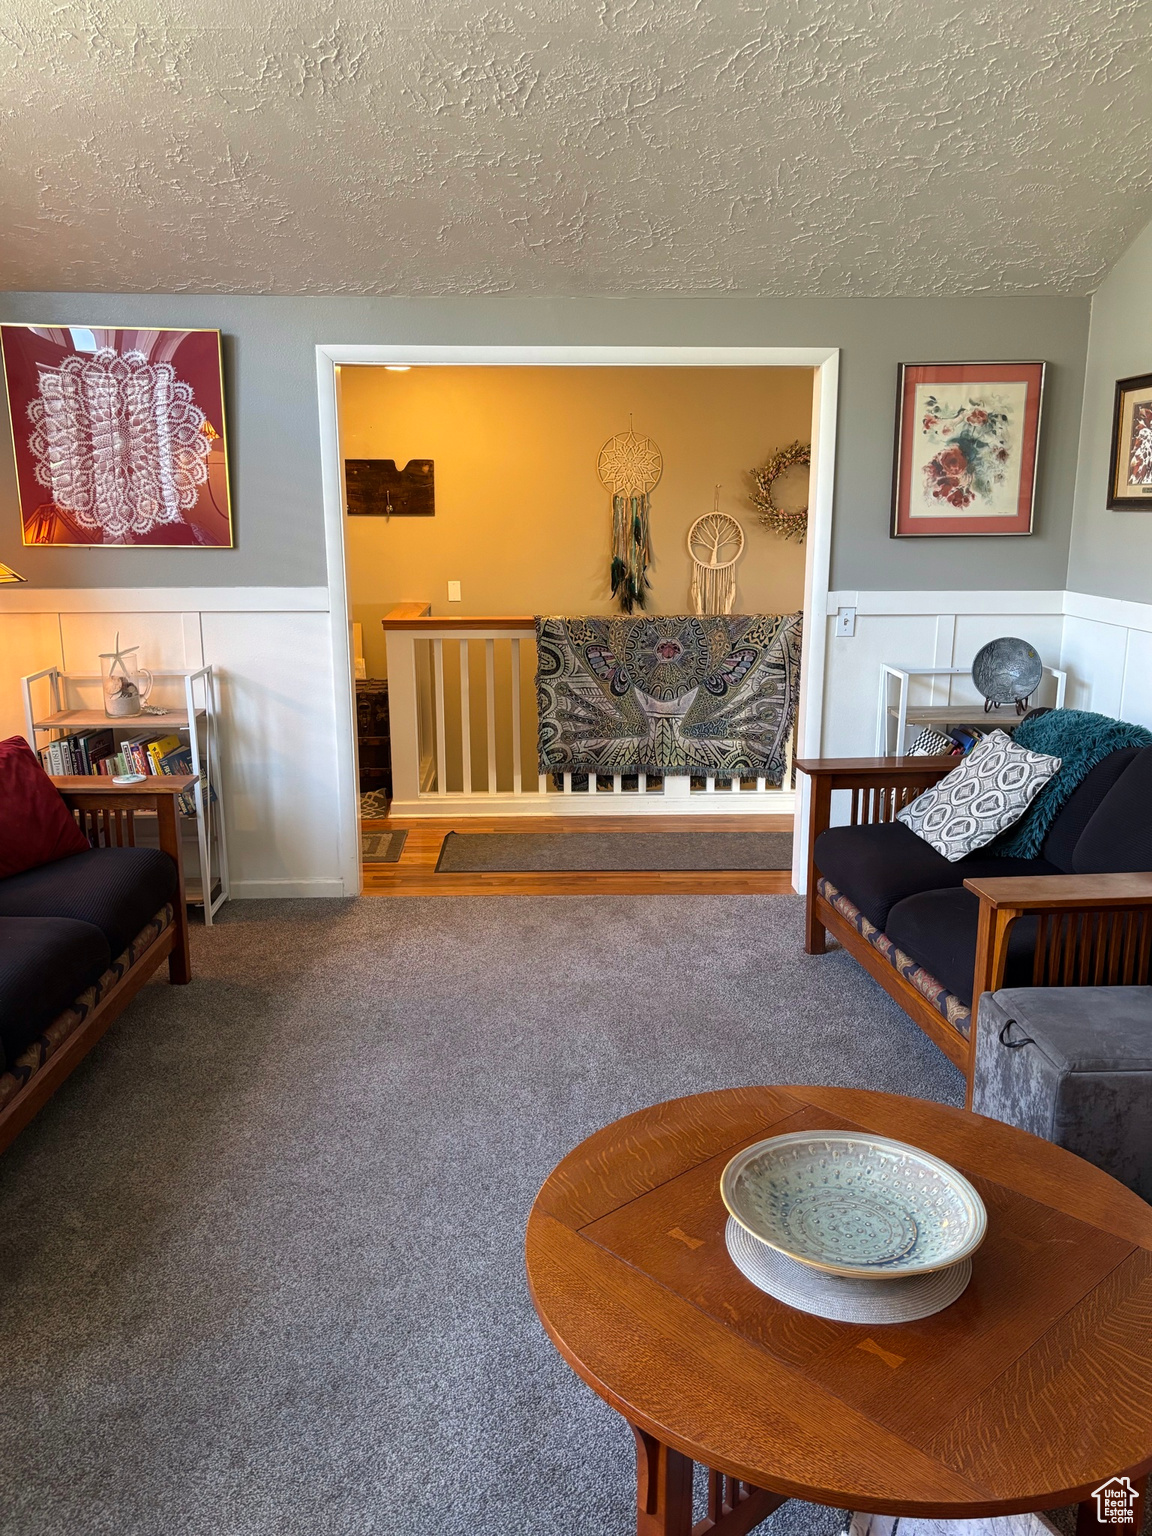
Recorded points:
(453, 591)
(846, 622)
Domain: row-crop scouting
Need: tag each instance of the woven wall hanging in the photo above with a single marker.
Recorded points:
(629, 468)
(789, 525)
(715, 542)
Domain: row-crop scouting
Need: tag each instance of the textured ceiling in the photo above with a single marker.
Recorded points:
(831, 147)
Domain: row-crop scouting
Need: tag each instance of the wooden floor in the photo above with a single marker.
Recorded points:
(415, 874)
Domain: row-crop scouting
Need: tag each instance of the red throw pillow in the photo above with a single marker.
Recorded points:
(36, 826)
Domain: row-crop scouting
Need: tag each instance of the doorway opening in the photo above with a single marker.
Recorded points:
(462, 499)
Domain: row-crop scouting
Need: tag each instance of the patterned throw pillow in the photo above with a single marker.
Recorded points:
(991, 789)
(931, 743)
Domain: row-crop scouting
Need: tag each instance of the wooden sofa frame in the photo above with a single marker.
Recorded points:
(106, 814)
(1093, 930)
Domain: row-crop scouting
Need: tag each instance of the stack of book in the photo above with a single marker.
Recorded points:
(96, 753)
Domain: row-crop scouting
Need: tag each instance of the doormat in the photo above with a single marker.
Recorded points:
(382, 847)
(579, 852)
(373, 804)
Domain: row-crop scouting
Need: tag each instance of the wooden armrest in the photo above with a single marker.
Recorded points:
(105, 813)
(85, 786)
(1091, 930)
(861, 772)
(1063, 893)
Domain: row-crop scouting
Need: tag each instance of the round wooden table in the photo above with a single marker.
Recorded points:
(1028, 1393)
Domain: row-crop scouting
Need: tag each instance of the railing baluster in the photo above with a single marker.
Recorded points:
(593, 784)
(762, 784)
(465, 719)
(567, 783)
(617, 783)
(517, 766)
(710, 784)
(490, 700)
(642, 783)
(441, 736)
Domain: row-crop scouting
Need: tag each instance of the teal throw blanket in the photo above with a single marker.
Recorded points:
(1081, 740)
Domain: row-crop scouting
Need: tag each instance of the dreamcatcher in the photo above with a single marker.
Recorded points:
(715, 542)
(629, 467)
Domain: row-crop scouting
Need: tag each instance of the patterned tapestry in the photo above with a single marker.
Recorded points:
(668, 694)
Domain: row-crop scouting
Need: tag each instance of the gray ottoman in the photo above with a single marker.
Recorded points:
(1074, 1065)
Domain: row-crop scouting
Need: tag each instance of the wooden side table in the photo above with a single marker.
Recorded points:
(1028, 1393)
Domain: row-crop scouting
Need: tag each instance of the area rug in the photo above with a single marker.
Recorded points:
(263, 1253)
(382, 847)
(711, 695)
(373, 804)
(483, 852)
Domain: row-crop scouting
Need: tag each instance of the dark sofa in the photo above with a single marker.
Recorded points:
(938, 934)
(80, 935)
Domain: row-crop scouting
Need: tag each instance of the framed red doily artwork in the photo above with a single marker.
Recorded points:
(119, 435)
(966, 449)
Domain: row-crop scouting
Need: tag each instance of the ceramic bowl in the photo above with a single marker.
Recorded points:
(854, 1205)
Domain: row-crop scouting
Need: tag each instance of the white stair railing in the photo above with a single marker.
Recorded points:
(463, 731)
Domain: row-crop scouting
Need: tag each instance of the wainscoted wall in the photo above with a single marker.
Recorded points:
(1107, 649)
(272, 649)
(1105, 645)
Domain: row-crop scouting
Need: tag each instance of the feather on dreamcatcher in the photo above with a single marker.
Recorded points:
(629, 468)
(715, 542)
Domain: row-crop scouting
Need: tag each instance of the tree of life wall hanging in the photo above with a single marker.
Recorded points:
(119, 435)
(715, 543)
(629, 468)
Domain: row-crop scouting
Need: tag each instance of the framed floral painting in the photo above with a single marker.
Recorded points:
(966, 449)
(119, 435)
(1130, 472)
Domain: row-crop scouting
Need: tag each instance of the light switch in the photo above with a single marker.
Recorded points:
(453, 591)
(846, 622)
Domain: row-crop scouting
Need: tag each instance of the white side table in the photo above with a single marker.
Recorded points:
(895, 716)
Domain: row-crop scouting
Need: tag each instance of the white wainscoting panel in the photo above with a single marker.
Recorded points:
(28, 643)
(274, 664)
(278, 750)
(1107, 650)
(921, 629)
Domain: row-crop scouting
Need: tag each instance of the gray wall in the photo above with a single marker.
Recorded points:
(1111, 552)
(270, 379)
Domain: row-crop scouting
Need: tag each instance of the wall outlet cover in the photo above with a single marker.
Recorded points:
(453, 591)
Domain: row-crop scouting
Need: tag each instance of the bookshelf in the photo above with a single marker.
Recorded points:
(59, 704)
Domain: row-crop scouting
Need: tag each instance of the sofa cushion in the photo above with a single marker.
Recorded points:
(35, 824)
(938, 930)
(1118, 836)
(117, 889)
(45, 963)
(1073, 817)
(878, 865)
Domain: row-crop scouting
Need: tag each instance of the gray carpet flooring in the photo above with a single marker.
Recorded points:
(261, 1265)
(467, 852)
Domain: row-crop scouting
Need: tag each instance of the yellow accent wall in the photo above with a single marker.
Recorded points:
(522, 521)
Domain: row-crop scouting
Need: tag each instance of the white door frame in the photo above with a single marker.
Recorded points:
(826, 362)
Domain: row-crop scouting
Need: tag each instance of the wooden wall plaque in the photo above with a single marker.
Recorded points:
(376, 488)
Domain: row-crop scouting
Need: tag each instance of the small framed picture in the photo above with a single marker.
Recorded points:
(966, 449)
(1130, 472)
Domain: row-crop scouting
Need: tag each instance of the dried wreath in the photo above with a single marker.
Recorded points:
(789, 525)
